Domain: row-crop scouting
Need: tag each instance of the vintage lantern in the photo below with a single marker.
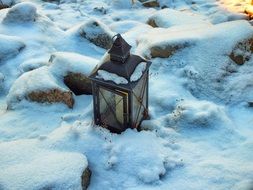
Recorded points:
(120, 88)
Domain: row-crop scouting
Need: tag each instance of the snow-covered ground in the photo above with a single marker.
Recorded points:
(201, 127)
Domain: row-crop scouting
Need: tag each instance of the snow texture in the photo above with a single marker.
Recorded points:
(199, 135)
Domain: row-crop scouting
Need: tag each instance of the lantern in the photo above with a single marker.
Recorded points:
(120, 88)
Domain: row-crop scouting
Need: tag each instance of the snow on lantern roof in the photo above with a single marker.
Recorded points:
(125, 74)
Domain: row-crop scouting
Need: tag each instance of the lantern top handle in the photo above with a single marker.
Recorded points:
(117, 36)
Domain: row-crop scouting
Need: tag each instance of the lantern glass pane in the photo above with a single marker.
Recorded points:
(111, 107)
(139, 100)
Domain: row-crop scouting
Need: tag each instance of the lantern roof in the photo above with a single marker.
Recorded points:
(120, 70)
(119, 47)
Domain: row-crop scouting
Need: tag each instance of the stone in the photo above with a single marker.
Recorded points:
(21, 13)
(74, 70)
(165, 51)
(52, 96)
(242, 51)
(6, 4)
(150, 3)
(250, 104)
(1, 80)
(78, 83)
(152, 23)
(39, 85)
(85, 178)
(97, 33)
(10, 47)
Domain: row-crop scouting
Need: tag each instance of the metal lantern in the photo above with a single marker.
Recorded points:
(120, 88)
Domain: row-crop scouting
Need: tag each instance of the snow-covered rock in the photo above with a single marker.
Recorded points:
(197, 114)
(94, 31)
(165, 45)
(74, 69)
(40, 86)
(6, 3)
(150, 3)
(1, 79)
(166, 18)
(32, 64)
(21, 13)
(26, 166)
(242, 51)
(10, 47)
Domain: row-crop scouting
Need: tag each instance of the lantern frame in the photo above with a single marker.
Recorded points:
(127, 91)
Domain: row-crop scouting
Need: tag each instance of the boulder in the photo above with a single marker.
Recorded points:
(6, 4)
(32, 64)
(242, 51)
(85, 178)
(10, 47)
(150, 3)
(36, 167)
(165, 51)
(52, 96)
(74, 69)
(166, 18)
(94, 31)
(21, 13)
(78, 83)
(1, 79)
(41, 86)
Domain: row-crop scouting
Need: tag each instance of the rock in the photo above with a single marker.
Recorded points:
(1, 80)
(21, 13)
(52, 96)
(32, 64)
(6, 4)
(166, 18)
(150, 3)
(40, 168)
(152, 22)
(250, 104)
(96, 32)
(165, 51)
(78, 83)
(41, 86)
(74, 69)
(10, 47)
(85, 178)
(242, 51)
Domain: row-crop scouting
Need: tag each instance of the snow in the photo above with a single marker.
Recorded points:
(199, 135)
(141, 67)
(111, 77)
